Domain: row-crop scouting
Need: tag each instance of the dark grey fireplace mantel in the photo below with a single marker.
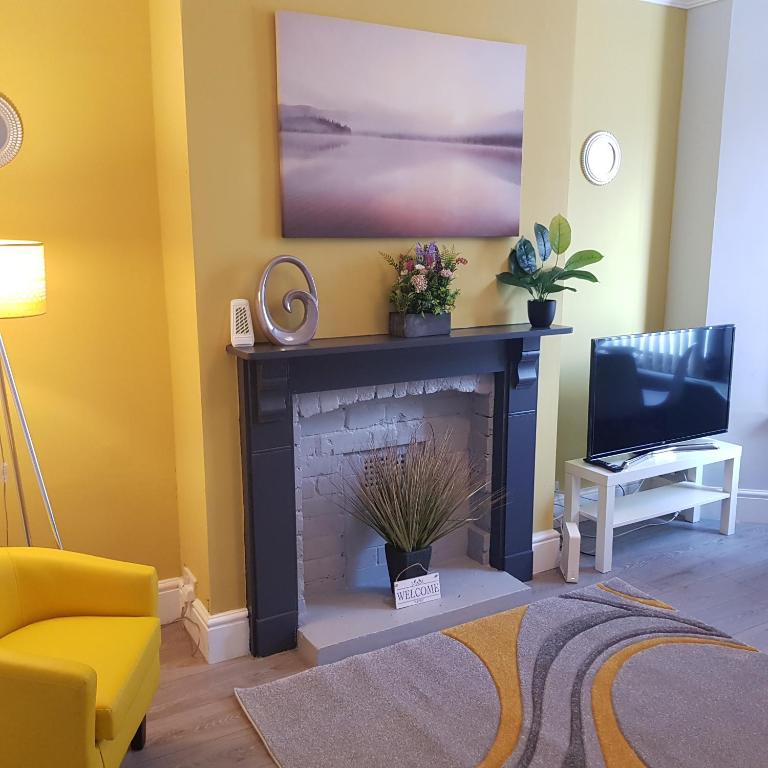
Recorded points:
(269, 376)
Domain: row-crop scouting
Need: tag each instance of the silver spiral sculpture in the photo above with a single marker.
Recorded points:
(308, 328)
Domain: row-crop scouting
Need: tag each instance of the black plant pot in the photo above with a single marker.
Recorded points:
(541, 313)
(413, 325)
(406, 565)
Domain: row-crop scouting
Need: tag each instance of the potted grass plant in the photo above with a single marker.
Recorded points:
(423, 295)
(413, 496)
(540, 279)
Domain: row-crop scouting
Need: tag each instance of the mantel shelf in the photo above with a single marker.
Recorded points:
(345, 344)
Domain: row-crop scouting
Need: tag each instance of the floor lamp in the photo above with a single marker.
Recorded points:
(22, 294)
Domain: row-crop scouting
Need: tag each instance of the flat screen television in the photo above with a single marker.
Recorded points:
(651, 390)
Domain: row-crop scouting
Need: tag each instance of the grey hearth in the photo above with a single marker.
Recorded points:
(271, 377)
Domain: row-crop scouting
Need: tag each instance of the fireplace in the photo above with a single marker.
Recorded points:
(334, 434)
(289, 396)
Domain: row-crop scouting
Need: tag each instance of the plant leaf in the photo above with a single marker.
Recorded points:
(519, 281)
(552, 274)
(513, 265)
(542, 241)
(557, 288)
(578, 274)
(540, 282)
(560, 234)
(526, 255)
(582, 258)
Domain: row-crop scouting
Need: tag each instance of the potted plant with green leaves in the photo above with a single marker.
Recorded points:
(413, 496)
(540, 279)
(423, 294)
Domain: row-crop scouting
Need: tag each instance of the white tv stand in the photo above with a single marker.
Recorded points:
(611, 512)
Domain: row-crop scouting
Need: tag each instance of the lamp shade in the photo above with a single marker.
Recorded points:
(22, 278)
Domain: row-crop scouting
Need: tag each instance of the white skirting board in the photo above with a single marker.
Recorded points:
(752, 506)
(169, 599)
(221, 637)
(546, 550)
(224, 636)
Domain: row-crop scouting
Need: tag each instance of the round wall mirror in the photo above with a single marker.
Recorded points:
(10, 131)
(601, 157)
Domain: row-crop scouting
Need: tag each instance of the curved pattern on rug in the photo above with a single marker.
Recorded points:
(605, 676)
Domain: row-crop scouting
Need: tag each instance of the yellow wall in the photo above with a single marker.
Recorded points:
(628, 80)
(93, 371)
(231, 113)
(180, 288)
(174, 213)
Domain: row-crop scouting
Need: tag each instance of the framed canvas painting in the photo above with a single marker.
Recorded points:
(390, 132)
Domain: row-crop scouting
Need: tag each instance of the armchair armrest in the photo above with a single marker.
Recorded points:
(52, 583)
(47, 712)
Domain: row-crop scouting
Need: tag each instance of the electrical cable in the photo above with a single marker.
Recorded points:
(5, 493)
(557, 521)
(184, 618)
(651, 524)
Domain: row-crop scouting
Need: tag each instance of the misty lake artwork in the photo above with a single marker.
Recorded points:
(389, 132)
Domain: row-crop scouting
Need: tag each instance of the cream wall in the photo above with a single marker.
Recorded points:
(93, 371)
(721, 145)
(698, 163)
(742, 201)
(627, 74)
(231, 113)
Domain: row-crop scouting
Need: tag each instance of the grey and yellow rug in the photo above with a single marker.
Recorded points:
(603, 676)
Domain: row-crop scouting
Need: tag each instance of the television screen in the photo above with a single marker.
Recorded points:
(653, 389)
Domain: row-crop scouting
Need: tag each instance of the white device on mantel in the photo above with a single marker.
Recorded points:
(241, 324)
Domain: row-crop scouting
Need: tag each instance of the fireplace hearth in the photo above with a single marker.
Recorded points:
(274, 382)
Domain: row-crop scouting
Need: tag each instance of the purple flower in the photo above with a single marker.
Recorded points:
(419, 250)
(431, 254)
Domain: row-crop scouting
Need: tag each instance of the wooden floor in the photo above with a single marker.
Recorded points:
(195, 720)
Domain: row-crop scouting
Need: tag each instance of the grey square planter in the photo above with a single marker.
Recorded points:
(411, 326)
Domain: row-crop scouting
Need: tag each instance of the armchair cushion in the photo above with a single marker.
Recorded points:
(122, 650)
(46, 713)
(38, 583)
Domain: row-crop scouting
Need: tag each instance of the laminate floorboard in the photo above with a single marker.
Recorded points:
(195, 721)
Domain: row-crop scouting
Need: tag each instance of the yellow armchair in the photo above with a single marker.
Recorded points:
(79, 658)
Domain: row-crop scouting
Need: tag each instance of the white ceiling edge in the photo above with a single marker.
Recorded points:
(685, 4)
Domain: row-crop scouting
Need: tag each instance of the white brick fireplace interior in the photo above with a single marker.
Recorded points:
(344, 598)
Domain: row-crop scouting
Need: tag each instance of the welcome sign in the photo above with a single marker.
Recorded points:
(422, 589)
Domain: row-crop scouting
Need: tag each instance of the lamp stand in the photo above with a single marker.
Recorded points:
(6, 374)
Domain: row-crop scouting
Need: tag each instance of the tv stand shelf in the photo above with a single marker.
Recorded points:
(613, 511)
(655, 502)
